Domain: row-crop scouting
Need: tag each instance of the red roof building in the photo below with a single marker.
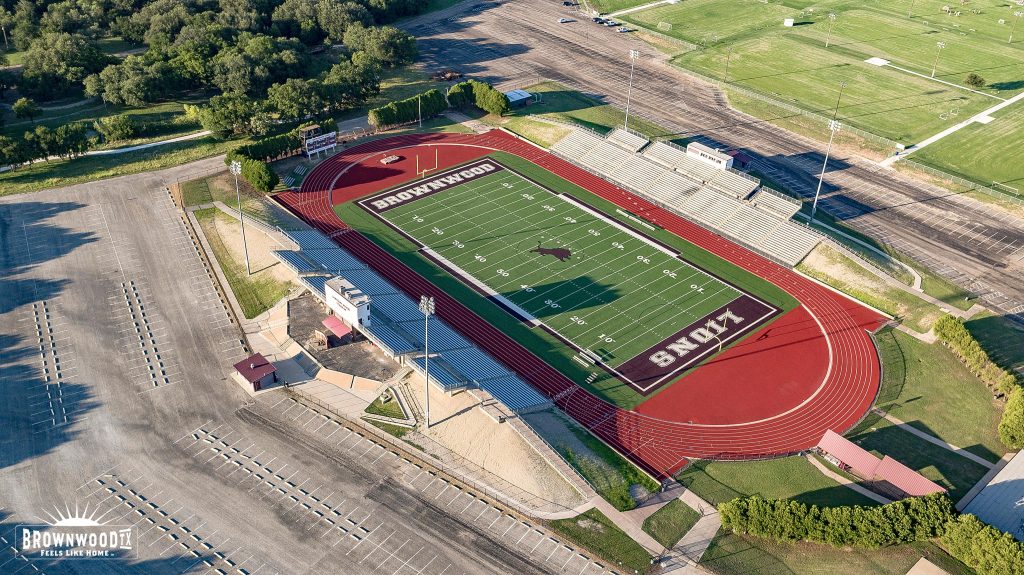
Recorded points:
(337, 326)
(257, 370)
(887, 474)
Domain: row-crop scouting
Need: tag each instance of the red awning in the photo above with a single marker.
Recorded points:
(255, 368)
(861, 461)
(906, 479)
(337, 326)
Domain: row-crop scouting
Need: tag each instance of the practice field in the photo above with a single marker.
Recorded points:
(625, 303)
(744, 43)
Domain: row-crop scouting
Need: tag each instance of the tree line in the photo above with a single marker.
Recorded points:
(272, 54)
(952, 332)
(433, 102)
(985, 549)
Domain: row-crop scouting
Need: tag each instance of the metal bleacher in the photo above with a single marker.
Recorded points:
(627, 140)
(638, 172)
(396, 324)
(604, 158)
(575, 145)
(776, 203)
(296, 262)
(709, 196)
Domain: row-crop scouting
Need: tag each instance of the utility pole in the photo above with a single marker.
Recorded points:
(633, 55)
(1013, 27)
(428, 307)
(939, 46)
(236, 168)
(419, 110)
(833, 127)
(831, 22)
(728, 58)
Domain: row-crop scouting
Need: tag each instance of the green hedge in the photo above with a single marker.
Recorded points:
(952, 332)
(271, 147)
(256, 172)
(483, 96)
(425, 105)
(914, 519)
(982, 548)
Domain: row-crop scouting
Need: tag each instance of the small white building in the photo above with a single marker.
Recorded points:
(347, 302)
(709, 155)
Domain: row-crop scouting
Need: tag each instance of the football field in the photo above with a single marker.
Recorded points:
(624, 302)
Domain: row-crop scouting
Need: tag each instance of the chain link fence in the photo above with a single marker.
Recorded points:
(958, 181)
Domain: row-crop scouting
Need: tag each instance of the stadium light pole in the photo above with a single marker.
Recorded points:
(428, 307)
(910, 12)
(728, 58)
(938, 50)
(236, 168)
(633, 55)
(831, 22)
(1013, 27)
(833, 127)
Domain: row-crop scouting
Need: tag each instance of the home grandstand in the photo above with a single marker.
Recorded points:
(815, 368)
(397, 324)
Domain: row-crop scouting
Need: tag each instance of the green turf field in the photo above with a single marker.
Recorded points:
(614, 296)
(611, 292)
(745, 43)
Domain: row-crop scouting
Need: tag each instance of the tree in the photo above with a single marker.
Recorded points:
(25, 28)
(387, 45)
(297, 19)
(335, 17)
(227, 115)
(349, 84)
(243, 15)
(116, 128)
(974, 80)
(12, 152)
(8, 80)
(256, 62)
(70, 140)
(460, 95)
(259, 175)
(6, 20)
(26, 109)
(57, 63)
(296, 98)
(71, 16)
(131, 82)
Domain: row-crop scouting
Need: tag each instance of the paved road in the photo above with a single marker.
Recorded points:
(517, 42)
(114, 351)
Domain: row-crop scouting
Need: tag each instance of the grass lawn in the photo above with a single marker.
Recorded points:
(255, 294)
(784, 478)
(390, 409)
(44, 175)
(395, 430)
(732, 554)
(166, 119)
(562, 103)
(540, 133)
(556, 353)
(969, 151)
(605, 6)
(668, 524)
(611, 474)
(952, 471)
(794, 65)
(939, 396)
(597, 533)
(828, 265)
(1001, 338)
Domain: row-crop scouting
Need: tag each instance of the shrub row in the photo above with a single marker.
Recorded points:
(425, 105)
(986, 550)
(913, 519)
(272, 147)
(952, 332)
(483, 96)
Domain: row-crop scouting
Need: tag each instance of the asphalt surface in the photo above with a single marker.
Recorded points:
(518, 42)
(115, 349)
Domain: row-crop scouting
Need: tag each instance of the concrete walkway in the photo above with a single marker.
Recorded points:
(631, 527)
(979, 117)
(936, 441)
(127, 149)
(460, 118)
(844, 481)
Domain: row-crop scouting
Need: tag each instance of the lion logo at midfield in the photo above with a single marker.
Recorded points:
(561, 254)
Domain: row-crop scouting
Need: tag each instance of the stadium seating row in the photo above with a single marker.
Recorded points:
(711, 197)
(628, 140)
(397, 325)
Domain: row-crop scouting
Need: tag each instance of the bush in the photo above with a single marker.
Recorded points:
(117, 128)
(484, 96)
(913, 519)
(974, 80)
(270, 147)
(426, 105)
(259, 175)
(986, 550)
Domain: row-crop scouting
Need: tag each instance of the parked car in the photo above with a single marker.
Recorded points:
(563, 20)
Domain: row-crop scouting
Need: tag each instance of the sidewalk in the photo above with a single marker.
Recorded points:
(936, 441)
(844, 481)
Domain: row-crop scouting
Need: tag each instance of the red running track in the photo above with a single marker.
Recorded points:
(813, 369)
